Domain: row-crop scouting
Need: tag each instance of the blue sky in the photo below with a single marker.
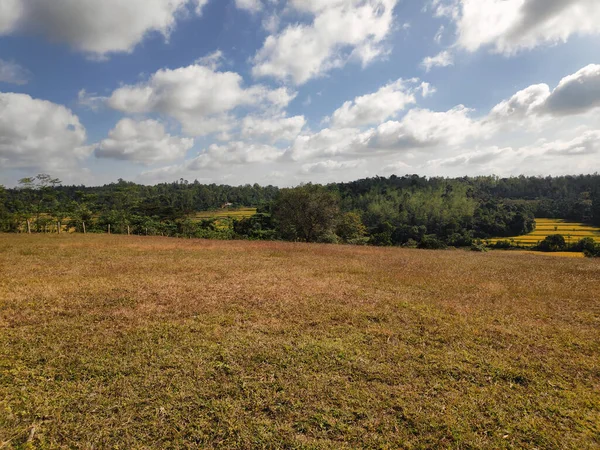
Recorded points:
(288, 91)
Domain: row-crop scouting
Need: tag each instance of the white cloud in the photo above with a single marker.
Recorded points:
(13, 73)
(200, 98)
(341, 30)
(37, 134)
(575, 94)
(218, 157)
(427, 90)
(331, 166)
(422, 128)
(272, 129)
(213, 60)
(10, 12)
(586, 144)
(442, 59)
(376, 107)
(509, 26)
(525, 103)
(439, 35)
(144, 142)
(92, 26)
(90, 100)
(252, 6)
(326, 143)
(418, 129)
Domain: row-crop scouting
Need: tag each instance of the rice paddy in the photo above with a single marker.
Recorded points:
(240, 213)
(572, 232)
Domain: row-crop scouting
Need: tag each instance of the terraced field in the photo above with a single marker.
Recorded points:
(572, 232)
(226, 214)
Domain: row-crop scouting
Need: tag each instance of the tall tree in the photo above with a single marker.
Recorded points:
(40, 190)
(306, 213)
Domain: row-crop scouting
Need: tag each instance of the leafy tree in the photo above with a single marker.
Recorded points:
(40, 190)
(306, 213)
(553, 243)
(350, 228)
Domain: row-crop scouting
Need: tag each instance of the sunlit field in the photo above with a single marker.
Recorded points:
(225, 214)
(148, 342)
(572, 232)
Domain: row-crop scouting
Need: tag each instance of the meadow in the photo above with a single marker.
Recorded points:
(572, 232)
(147, 342)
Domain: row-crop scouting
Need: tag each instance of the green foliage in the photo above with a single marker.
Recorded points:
(306, 213)
(478, 246)
(350, 227)
(432, 242)
(553, 243)
(394, 211)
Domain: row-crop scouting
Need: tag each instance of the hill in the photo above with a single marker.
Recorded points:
(140, 342)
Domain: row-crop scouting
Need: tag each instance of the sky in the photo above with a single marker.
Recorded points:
(289, 91)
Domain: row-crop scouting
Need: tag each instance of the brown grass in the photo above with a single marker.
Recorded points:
(135, 342)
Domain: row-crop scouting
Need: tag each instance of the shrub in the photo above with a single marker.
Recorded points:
(478, 246)
(431, 242)
(460, 240)
(504, 245)
(553, 243)
(411, 243)
(585, 245)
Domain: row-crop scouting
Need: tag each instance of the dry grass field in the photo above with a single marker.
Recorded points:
(572, 232)
(143, 342)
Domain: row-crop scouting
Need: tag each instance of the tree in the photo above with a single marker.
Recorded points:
(39, 190)
(350, 227)
(306, 213)
(553, 243)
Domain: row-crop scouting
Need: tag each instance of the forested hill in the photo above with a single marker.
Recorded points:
(382, 211)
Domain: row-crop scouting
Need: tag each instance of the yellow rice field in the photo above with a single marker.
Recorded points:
(571, 231)
(240, 213)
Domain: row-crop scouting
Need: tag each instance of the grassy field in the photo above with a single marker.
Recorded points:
(572, 232)
(143, 342)
(226, 213)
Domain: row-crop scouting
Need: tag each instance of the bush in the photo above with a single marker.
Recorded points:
(553, 243)
(504, 245)
(431, 242)
(460, 240)
(411, 243)
(478, 246)
(585, 245)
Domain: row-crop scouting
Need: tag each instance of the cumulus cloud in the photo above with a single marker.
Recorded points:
(376, 107)
(272, 129)
(422, 128)
(509, 26)
(341, 30)
(442, 59)
(331, 166)
(575, 94)
(144, 142)
(37, 134)
(586, 144)
(92, 26)
(13, 73)
(200, 98)
(217, 157)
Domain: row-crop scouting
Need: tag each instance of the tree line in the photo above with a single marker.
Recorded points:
(408, 210)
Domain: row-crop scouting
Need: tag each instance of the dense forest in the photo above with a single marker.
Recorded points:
(409, 210)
